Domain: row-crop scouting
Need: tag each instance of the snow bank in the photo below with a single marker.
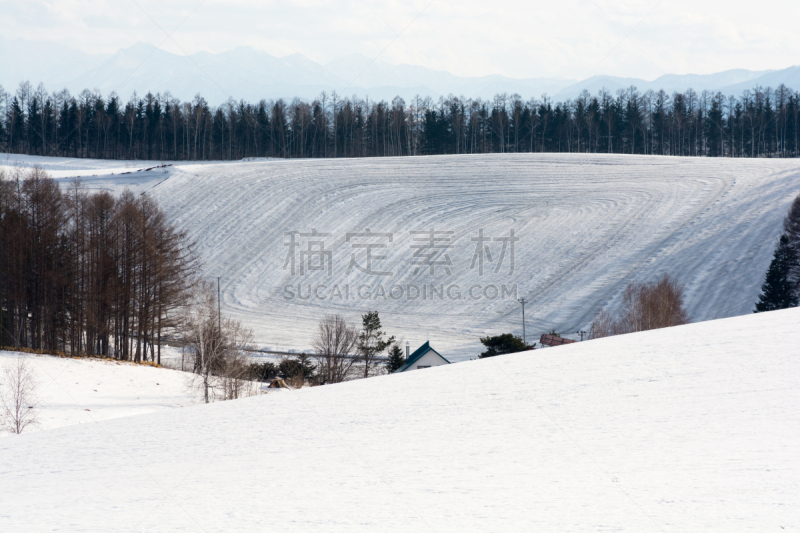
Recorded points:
(113, 176)
(84, 391)
(695, 428)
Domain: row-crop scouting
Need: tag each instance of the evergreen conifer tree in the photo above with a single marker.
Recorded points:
(396, 358)
(791, 228)
(307, 366)
(777, 291)
(371, 341)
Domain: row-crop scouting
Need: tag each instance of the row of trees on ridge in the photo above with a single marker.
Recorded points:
(760, 122)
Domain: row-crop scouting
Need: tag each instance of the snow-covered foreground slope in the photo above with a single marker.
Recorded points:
(587, 226)
(695, 428)
(82, 391)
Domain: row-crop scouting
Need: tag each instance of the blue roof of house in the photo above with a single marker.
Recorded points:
(417, 355)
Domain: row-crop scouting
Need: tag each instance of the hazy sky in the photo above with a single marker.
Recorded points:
(533, 38)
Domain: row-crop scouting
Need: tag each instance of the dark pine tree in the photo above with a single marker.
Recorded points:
(791, 228)
(396, 358)
(777, 291)
(371, 341)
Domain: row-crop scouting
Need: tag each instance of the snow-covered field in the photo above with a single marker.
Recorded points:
(587, 226)
(84, 391)
(695, 428)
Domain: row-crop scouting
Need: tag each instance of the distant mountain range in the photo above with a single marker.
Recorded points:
(250, 74)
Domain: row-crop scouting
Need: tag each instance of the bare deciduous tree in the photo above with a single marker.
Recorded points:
(220, 358)
(202, 335)
(235, 379)
(18, 395)
(603, 325)
(334, 344)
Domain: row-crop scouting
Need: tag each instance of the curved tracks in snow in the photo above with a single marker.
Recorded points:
(588, 225)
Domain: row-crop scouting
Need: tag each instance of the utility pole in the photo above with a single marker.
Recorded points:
(219, 311)
(524, 340)
(581, 333)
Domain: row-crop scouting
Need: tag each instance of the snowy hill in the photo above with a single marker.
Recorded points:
(695, 428)
(587, 226)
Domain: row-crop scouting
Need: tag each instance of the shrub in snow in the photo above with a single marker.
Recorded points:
(503, 344)
(265, 371)
(299, 368)
(645, 306)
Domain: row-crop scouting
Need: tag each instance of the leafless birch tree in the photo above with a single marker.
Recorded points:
(219, 345)
(18, 395)
(202, 334)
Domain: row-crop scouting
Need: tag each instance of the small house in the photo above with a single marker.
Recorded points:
(423, 357)
(553, 340)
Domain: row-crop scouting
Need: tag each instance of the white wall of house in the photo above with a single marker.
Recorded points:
(428, 360)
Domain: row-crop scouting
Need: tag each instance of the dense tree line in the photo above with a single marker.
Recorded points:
(87, 273)
(761, 122)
